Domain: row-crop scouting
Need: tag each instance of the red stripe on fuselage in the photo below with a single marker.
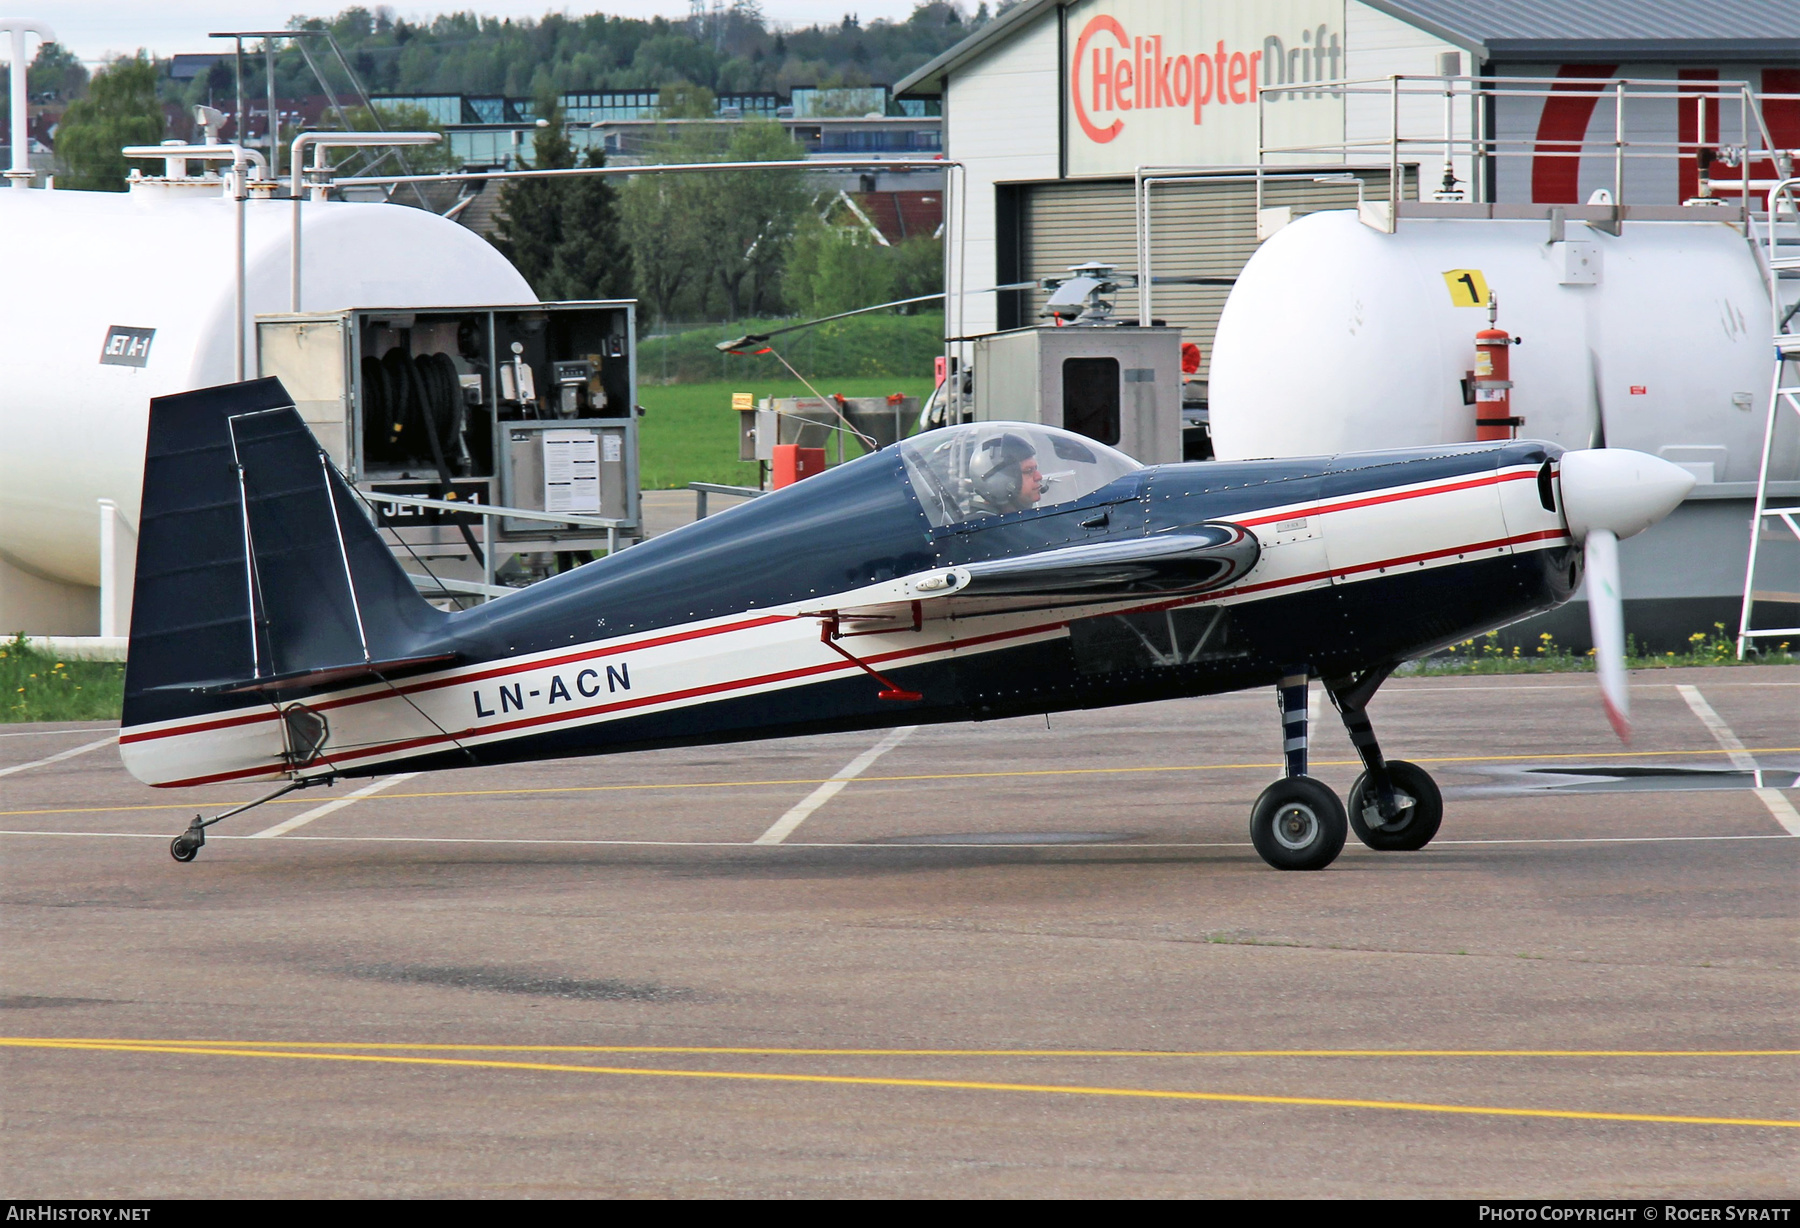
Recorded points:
(653, 641)
(622, 705)
(879, 659)
(611, 649)
(1492, 479)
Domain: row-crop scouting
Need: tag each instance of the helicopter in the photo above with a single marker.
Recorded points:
(972, 572)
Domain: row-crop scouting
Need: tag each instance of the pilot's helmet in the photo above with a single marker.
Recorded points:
(997, 469)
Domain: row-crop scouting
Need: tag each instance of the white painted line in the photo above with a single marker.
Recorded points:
(59, 756)
(1122, 845)
(1780, 808)
(319, 812)
(51, 733)
(787, 823)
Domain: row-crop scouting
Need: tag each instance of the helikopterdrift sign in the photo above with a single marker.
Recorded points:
(1165, 82)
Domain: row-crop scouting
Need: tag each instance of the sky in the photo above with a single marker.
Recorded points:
(96, 30)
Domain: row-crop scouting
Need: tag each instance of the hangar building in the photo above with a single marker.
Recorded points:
(1055, 106)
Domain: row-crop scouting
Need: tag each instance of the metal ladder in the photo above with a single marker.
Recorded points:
(1779, 247)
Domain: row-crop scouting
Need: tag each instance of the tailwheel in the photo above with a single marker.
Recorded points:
(1298, 824)
(185, 847)
(1421, 809)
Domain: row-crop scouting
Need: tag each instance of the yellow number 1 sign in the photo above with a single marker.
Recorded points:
(1468, 288)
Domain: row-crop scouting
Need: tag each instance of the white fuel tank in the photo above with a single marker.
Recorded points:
(1338, 337)
(155, 272)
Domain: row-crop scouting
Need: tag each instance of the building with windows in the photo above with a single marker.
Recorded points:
(495, 132)
(1056, 106)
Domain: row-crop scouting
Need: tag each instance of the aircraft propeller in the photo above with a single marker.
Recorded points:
(1610, 494)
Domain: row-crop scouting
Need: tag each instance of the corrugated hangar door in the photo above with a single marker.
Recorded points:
(1196, 229)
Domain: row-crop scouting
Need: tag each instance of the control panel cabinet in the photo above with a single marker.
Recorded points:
(1119, 385)
(530, 406)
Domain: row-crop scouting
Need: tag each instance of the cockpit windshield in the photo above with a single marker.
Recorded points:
(983, 469)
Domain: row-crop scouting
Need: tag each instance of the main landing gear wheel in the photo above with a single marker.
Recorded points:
(1298, 824)
(1416, 823)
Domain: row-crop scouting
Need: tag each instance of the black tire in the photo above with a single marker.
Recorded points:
(1298, 824)
(183, 850)
(1422, 817)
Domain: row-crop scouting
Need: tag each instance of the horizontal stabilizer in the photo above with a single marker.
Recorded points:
(322, 676)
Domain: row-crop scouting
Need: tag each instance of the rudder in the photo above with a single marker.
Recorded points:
(258, 575)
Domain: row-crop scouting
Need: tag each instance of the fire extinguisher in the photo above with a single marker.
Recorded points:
(1493, 380)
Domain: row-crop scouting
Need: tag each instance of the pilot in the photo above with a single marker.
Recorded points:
(1007, 477)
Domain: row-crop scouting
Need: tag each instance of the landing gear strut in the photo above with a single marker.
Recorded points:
(1299, 824)
(185, 847)
(1394, 805)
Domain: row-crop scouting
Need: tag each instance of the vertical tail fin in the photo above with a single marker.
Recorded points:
(258, 573)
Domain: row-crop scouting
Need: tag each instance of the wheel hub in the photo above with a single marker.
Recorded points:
(1403, 805)
(1296, 826)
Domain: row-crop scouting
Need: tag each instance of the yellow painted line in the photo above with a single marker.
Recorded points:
(1099, 771)
(777, 1051)
(747, 1076)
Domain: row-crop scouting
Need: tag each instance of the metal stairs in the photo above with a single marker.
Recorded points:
(1777, 240)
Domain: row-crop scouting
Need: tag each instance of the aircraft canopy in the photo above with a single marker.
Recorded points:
(983, 469)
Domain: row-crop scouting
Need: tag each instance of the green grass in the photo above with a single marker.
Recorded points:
(35, 686)
(1487, 656)
(689, 432)
(862, 346)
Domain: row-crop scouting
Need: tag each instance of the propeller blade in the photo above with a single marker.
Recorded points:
(1609, 493)
(1606, 617)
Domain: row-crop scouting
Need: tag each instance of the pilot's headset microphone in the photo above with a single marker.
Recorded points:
(1003, 460)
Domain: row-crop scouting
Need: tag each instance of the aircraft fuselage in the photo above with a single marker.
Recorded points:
(712, 633)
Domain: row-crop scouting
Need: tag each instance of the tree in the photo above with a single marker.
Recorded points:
(685, 100)
(832, 269)
(750, 216)
(918, 269)
(591, 260)
(120, 109)
(564, 236)
(530, 222)
(728, 230)
(665, 224)
(840, 268)
(55, 74)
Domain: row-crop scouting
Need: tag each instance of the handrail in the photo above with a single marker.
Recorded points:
(702, 489)
(494, 509)
(654, 168)
(175, 151)
(955, 193)
(320, 142)
(448, 584)
(719, 488)
(1752, 142)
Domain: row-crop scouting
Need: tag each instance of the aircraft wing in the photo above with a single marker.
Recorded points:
(1189, 560)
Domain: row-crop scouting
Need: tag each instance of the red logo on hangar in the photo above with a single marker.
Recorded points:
(1114, 72)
